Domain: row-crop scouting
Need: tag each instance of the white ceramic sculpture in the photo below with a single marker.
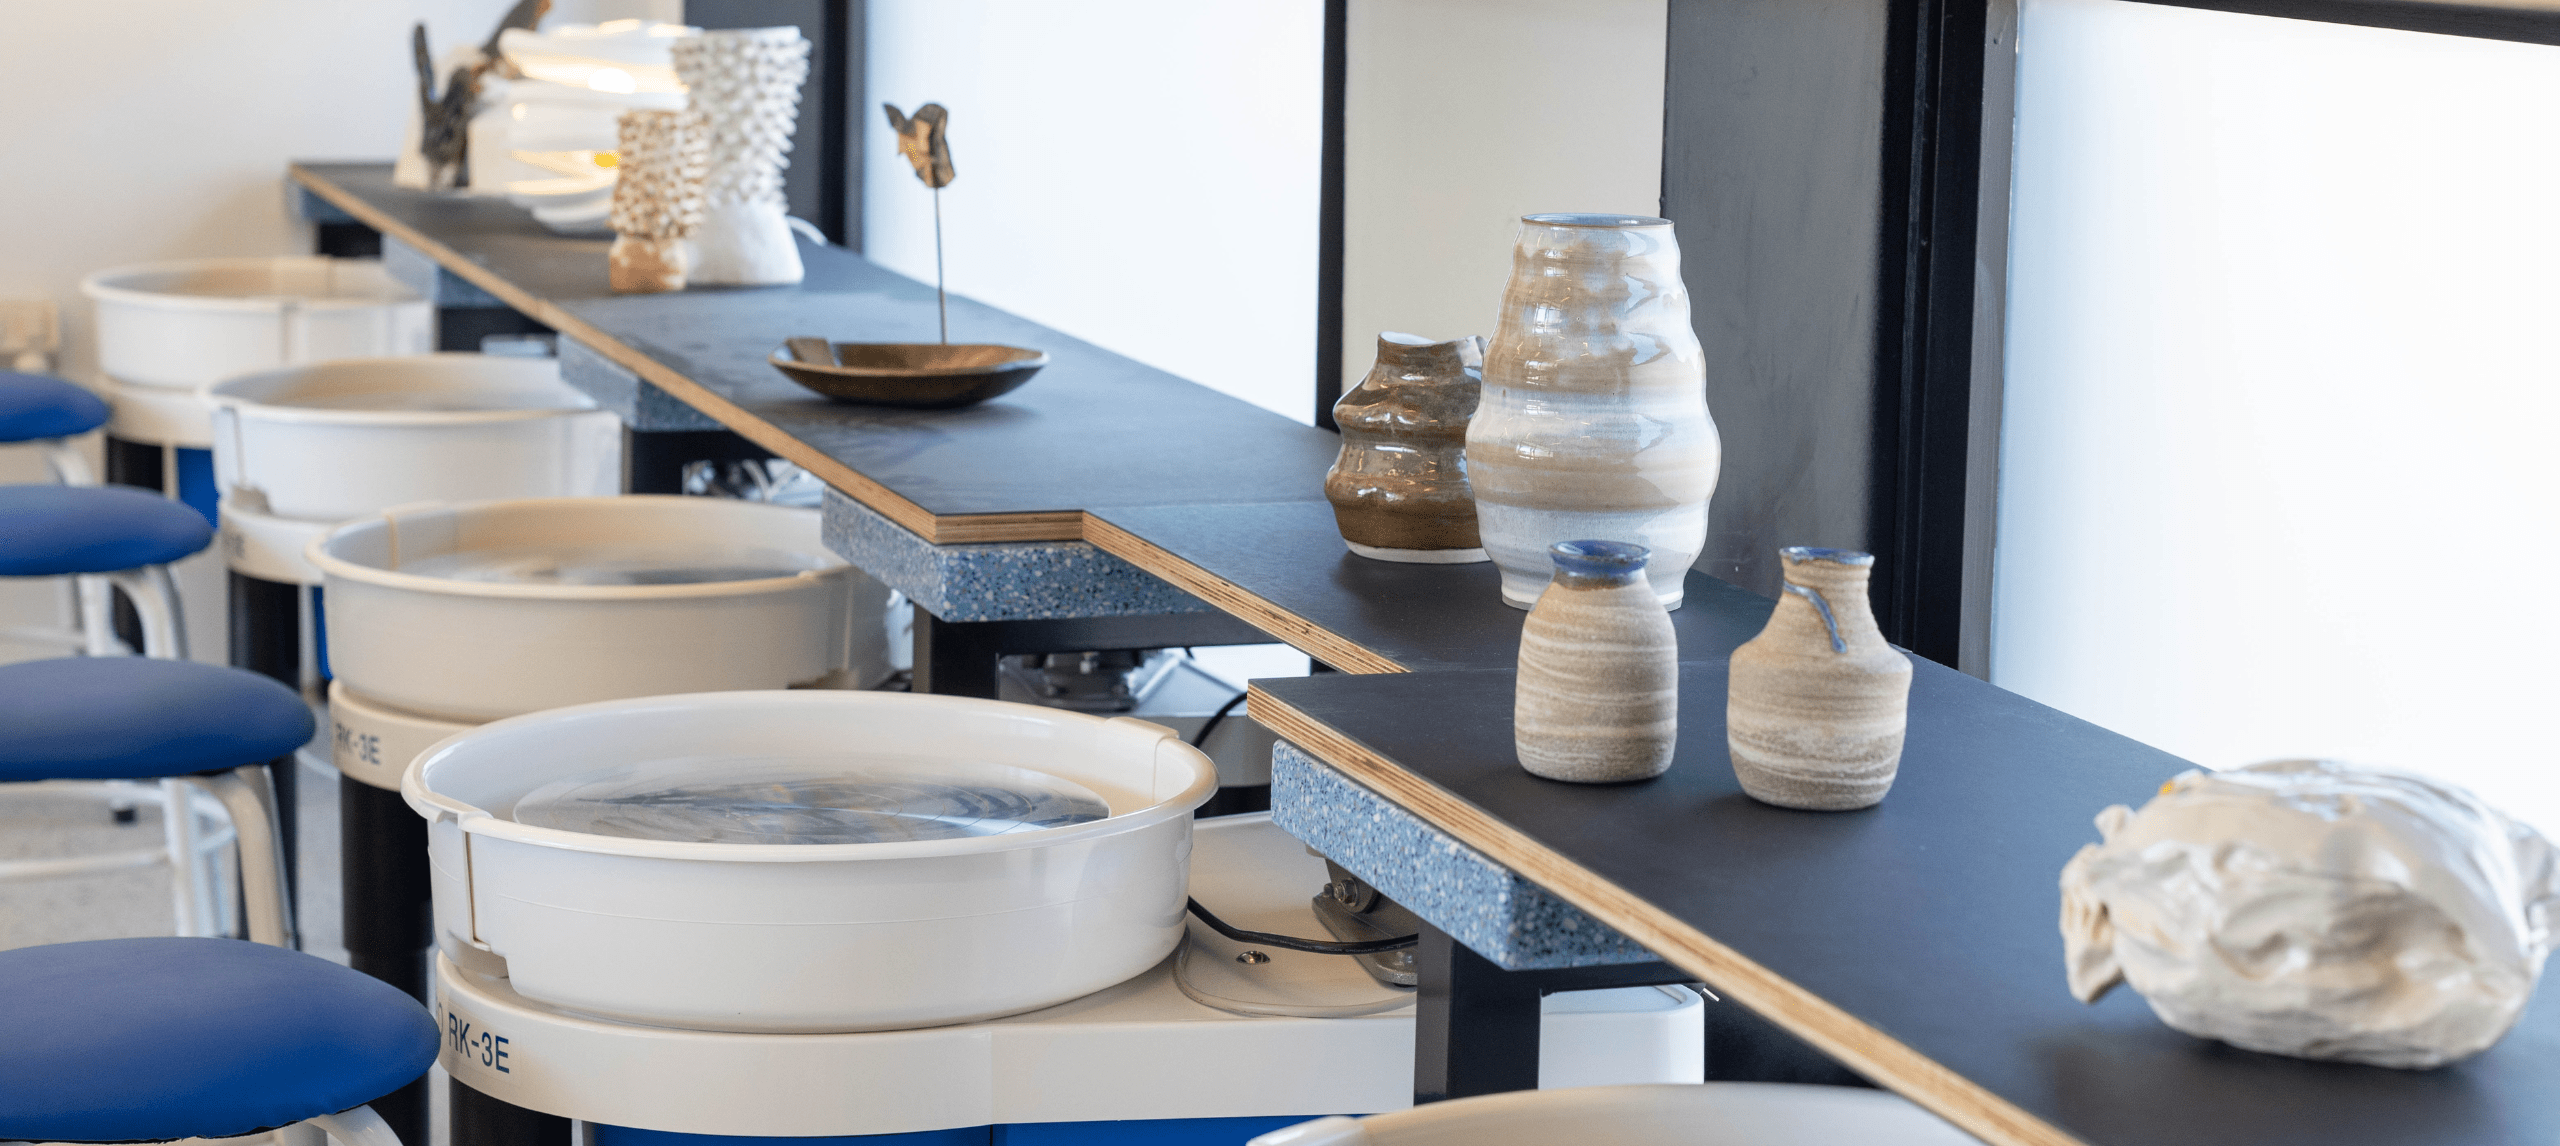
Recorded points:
(2313, 909)
(657, 201)
(745, 84)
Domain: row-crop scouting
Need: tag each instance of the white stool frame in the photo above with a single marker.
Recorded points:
(247, 793)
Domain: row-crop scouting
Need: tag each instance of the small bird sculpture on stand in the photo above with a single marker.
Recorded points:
(924, 140)
(444, 121)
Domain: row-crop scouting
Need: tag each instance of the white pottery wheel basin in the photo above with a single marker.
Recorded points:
(339, 439)
(483, 610)
(811, 937)
(193, 322)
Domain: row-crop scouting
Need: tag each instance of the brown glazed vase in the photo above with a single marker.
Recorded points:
(1399, 487)
(1598, 699)
(1815, 710)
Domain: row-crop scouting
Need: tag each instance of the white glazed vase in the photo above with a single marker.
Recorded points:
(1593, 421)
(745, 84)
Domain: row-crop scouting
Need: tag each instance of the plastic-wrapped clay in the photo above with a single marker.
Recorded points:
(657, 201)
(745, 83)
(2315, 909)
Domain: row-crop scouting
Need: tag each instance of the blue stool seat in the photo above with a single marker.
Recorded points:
(53, 530)
(34, 406)
(127, 1040)
(135, 718)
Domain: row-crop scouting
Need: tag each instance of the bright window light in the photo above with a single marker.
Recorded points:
(2279, 470)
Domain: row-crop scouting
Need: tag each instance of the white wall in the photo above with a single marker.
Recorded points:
(2276, 473)
(1463, 115)
(1141, 174)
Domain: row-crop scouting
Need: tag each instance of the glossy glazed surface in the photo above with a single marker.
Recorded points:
(1400, 484)
(1594, 418)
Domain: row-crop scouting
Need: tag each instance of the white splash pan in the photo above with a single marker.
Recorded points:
(186, 324)
(475, 651)
(331, 441)
(830, 937)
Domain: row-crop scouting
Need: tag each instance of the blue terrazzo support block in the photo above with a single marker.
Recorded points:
(442, 287)
(1497, 914)
(999, 581)
(640, 403)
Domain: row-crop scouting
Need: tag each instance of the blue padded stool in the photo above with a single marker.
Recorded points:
(130, 1040)
(186, 724)
(46, 410)
(104, 536)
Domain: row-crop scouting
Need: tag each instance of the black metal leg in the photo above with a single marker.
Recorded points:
(1476, 1025)
(653, 461)
(479, 1120)
(960, 658)
(266, 638)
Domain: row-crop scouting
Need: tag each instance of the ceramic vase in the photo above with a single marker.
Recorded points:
(745, 84)
(1815, 710)
(1598, 700)
(657, 200)
(1399, 487)
(1594, 417)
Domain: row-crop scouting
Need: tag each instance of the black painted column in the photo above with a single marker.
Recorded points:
(479, 1120)
(1475, 1027)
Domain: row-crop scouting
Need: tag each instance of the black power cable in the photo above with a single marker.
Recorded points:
(1292, 943)
(1216, 718)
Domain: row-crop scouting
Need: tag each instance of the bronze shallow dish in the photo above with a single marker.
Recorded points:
(916, 375)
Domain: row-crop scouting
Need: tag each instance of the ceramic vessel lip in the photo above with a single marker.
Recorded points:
(1611, 222)
(1797, 554)
(1612, 561)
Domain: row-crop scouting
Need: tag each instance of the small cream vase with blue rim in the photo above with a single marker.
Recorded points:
(1816, 705)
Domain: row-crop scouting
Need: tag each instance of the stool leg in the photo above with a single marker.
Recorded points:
(97, 617)
(479, 1120)
(178, 826)
(154, 594)
(357, 1127)
(244, 792)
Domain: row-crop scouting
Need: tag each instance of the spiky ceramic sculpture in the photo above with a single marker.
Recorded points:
(745, 84)
(657, 201)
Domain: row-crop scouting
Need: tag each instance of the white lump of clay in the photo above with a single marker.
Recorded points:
(2309, 908)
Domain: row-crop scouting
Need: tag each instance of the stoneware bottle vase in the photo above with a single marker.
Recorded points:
(1594, 417)
(1815, 710)
(1598, 700)
(1399, 487)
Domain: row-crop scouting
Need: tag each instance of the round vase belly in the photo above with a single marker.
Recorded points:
(1399, 487)
(1599, 686)
(1594, 417)
(1817, 703)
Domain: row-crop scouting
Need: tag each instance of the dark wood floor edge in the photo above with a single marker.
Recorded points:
(1062, 525)
(1872, 1053)
(1298, 632)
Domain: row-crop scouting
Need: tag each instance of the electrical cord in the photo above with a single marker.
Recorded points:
(1292, 943)
(1215, 718)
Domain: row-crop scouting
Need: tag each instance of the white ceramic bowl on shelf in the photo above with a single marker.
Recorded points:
(482, 610)
(189, 323)
(333, 440)
(812, 937)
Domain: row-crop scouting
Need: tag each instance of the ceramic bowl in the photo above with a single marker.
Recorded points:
(916, 375)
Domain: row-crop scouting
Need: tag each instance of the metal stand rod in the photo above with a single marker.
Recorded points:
(479, 1120)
